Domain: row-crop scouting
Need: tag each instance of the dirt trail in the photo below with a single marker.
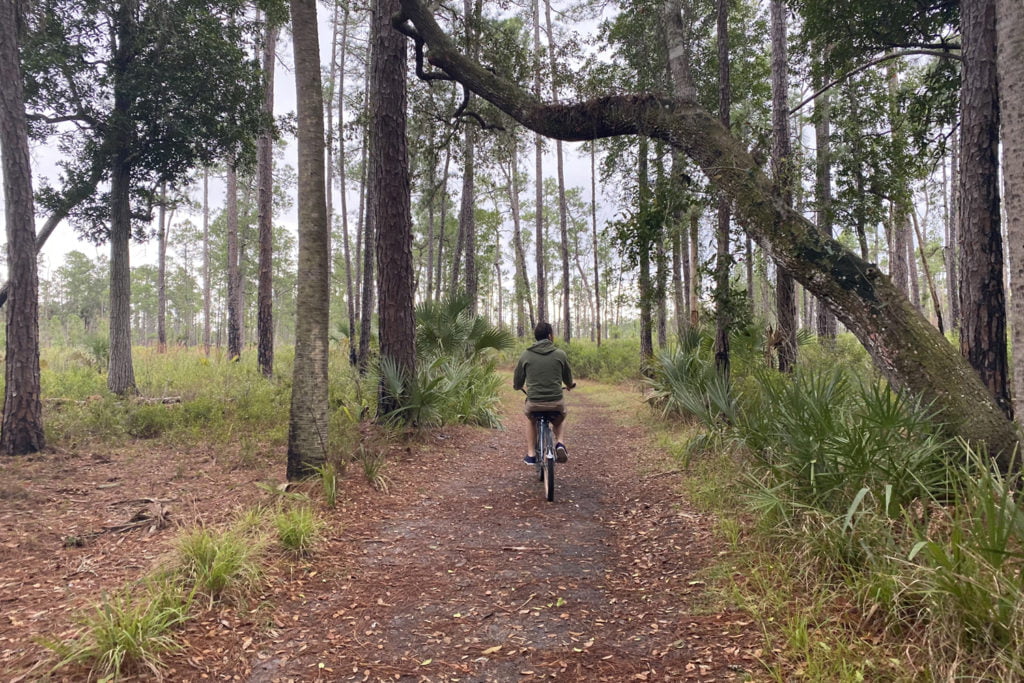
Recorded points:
(463, 573)
(471, 575)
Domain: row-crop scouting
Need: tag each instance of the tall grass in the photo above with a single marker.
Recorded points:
(126, 633)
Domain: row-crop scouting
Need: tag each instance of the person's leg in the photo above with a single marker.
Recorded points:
(561, 454)
(531, 435)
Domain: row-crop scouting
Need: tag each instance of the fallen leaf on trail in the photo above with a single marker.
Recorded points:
(425, 662)
(492, 650)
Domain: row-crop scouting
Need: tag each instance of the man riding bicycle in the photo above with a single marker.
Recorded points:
(543, 369)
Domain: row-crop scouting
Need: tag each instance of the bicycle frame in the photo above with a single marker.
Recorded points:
(544, 451)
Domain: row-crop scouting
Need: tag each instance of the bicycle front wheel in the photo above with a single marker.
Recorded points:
(549, 478)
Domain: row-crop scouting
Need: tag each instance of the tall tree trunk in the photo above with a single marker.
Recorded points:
(390, 194)
(22, 430)
(953, 238)
(983, 327)
(265, 217)
(120, 371)
(593, 225)
(785, 289)
(522, 273)
(307, 427)
(693, 282)
(467, 220)
(1010, 34)
(723, 317)
(563, 221)
(826, 322)
(350, 303)
(644, 284)
(360, 254)
(161, 274)
(928, 276)
(442, 234)
(542, 289)
(207, 289)
(233, 271)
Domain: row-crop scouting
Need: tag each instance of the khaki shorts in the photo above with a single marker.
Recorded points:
(548, 407)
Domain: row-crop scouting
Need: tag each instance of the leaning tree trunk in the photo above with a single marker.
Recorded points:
(307, 426)
(983, 322)
(782, 161)
(1010, 37)
(22, 414)
(265, 217)
(905, 346)
(390, 193)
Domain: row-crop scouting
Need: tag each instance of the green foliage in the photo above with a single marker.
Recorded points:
(126, 633)
(298, 529)
(685, 382)
(825, 443)
(216, 563)
(449, 328)
(616, 360)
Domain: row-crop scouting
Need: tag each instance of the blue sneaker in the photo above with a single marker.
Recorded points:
(530, 459)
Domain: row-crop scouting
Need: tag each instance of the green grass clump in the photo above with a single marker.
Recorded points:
(216, 563)
(298, 529)
(126, 633)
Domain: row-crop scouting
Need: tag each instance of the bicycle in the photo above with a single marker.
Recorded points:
(544, 450)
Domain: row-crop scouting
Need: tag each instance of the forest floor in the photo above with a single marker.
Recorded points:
(460, 572)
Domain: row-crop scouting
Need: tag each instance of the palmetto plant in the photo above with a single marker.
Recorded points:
(449, 328)
(454, 379)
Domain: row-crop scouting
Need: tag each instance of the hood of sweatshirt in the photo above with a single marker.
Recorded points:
(543, 347)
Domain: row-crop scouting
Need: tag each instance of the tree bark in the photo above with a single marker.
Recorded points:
(161, 274)
(350, 305)
(233, 272)
(307, 427)
(265, 217)
(693, 282)
(644, 282)
(983, 325)
(390, 194)
(120, 371)
(22, 430)
(523, 299)
(1010, 55)
(723, 318)
(206, 262)
(782, 161)
(905, 347)
(826, 322)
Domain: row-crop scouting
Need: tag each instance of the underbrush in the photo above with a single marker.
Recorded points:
(871, 546)
(131, 630)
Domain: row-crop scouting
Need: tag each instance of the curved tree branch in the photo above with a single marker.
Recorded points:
(943, 54)
(905, 346)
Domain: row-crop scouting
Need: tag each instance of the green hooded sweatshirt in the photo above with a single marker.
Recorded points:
(543, 369)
